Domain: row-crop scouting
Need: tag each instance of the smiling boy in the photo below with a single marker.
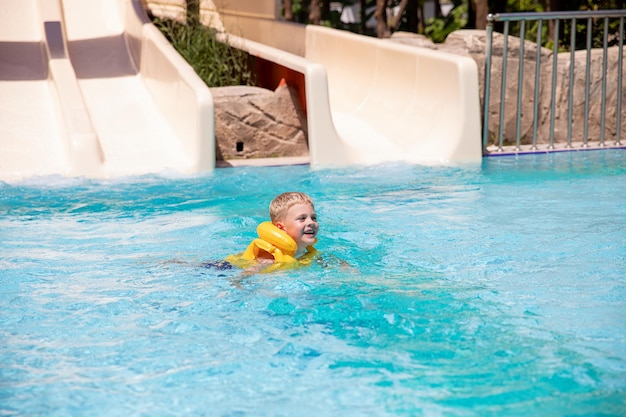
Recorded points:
(286, 240)
(294, 213)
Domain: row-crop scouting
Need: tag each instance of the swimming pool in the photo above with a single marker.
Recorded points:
(486, 290)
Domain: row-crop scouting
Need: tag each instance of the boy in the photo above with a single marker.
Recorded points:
(288, 238)
(293, 213)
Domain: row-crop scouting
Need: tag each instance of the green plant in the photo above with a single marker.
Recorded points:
(438, 28)
(566, 29)
(217, 63)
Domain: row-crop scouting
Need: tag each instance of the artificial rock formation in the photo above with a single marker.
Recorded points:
(252, 122)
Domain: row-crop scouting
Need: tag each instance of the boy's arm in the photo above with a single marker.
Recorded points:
(261, 263)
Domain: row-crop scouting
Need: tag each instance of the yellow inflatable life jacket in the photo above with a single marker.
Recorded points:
(273, 241)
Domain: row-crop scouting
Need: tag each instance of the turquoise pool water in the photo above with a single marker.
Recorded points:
(490, 290)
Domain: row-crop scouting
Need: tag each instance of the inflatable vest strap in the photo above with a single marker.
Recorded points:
(273, 241)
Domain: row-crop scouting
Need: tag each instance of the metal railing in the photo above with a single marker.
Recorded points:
(506, 135)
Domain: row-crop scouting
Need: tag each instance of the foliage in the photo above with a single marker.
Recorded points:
(438, 28)
(565, 26)
(300, 10)
(597, 33)
(215, 62)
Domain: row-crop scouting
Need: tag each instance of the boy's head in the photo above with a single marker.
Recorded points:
(294, 213)
(281, 204)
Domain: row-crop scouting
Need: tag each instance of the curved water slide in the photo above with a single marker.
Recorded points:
(368, 100)
(91, 88)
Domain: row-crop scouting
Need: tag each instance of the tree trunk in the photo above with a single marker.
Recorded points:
(362, 17)
(382, 30)
(325, 9)
(420, 19)
(315, 14)
(553, 6)
(471, 15)
(498, 6)
(288, 10)
(481, 10)
(411, 16)
(438, 9)
(558, 5)
(398, 18)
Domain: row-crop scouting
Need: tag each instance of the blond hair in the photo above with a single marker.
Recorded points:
(282, 203)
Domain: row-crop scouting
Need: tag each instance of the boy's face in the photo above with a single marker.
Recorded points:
(300, 222)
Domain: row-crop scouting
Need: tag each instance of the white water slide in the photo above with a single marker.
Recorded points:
(91, 88)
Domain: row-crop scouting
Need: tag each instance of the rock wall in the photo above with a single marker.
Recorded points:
(252, 122)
